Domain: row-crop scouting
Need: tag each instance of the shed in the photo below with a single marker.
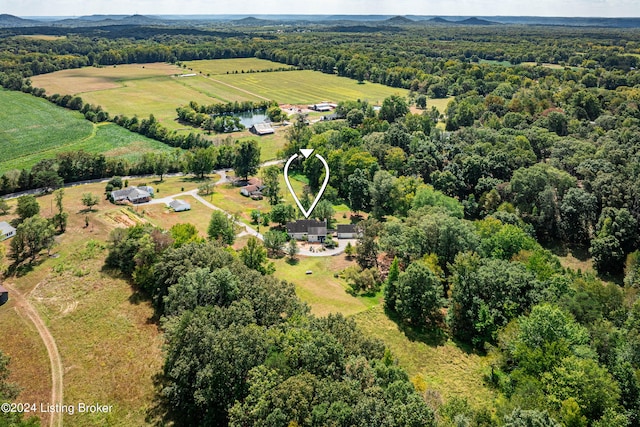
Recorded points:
(4, 295)
(262, 129)
(348, 231)
(6, 231)
(179, 205)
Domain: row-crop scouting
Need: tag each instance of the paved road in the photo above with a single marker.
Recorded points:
(24, 308)
(221, 172)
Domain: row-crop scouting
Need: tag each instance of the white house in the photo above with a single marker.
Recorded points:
(6, 231)
(179, 205)
(313, 231)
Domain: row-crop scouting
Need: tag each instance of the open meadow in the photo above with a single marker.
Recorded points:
(32, 129)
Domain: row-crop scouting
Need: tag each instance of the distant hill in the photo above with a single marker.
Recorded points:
(439, 20)
(10, 21)
(100, 17)
(399, 20)
(476, 21)
(250, 21)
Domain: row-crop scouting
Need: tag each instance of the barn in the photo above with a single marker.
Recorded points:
(262, 129)
(4, 295)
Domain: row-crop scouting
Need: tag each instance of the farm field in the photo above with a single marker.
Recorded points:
(154, 88)
(53, 129)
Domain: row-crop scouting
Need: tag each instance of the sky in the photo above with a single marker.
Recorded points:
(571, 8)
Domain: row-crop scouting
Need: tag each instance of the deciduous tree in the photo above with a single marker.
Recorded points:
(221, 228)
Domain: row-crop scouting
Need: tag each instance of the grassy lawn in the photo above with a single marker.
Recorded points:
(32, 129)
(439, 103)
(270, 145)
(164, 217)
(442, 365)
(321, 290)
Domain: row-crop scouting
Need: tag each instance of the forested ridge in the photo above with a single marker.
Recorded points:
(464, 210)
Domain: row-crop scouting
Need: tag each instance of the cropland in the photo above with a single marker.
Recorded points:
(32, 129)
(159, 88)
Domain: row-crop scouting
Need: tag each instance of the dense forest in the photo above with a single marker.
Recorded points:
(466, 210)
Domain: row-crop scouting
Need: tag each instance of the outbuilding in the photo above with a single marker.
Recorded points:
(261, 129)
(4, 295)
(6, 231)
(179, 205)
(348, 231)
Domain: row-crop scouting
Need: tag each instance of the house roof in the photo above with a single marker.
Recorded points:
(307, 226)
(131, 193)
(6, 228)
(346, 228)
(254, 181)
(175, 204)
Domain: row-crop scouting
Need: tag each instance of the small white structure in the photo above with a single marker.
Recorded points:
(179, 205)
(6, 231)
(348, 231)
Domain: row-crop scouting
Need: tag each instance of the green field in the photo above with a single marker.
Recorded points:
(32, 129)
(228, 66)
(158, 88)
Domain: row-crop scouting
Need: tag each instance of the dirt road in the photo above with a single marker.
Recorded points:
(25, 309)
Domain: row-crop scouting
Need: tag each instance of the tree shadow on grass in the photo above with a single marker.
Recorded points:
(433, 336)
(293, 261)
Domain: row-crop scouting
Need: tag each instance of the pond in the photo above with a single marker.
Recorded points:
(250, 118)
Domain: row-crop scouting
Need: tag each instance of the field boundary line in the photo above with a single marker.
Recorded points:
(24, 308)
